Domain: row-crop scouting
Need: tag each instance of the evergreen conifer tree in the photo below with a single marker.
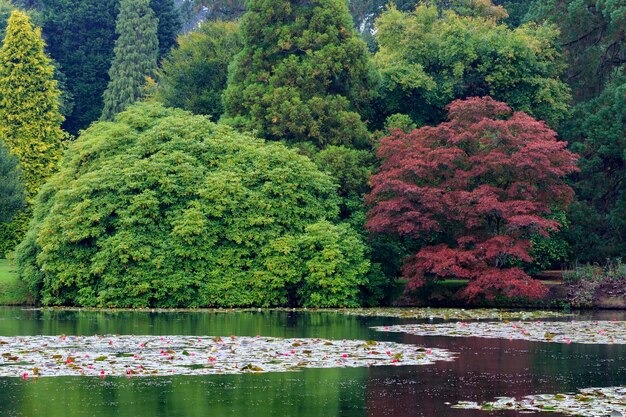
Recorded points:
(136, 51)
(30, 121)
(169, 24)
(80, 37)
(303, 75)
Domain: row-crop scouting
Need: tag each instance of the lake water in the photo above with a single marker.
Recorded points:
(485, 368)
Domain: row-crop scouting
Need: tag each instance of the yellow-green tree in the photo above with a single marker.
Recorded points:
(30, 121)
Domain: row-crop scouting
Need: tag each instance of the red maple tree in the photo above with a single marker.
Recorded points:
(473, 189)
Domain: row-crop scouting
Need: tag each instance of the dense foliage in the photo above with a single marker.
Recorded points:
(329, 78)
(428, 58)
(598, 133)
(136, 52)
(593, 37)
(193, 76)
(472, 190)
(303, 74)
(594, 43)
(161, 208)
(12, 198)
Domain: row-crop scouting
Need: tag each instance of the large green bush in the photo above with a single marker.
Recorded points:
(164, 209)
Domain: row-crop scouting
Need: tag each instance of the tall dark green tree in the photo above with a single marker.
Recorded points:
(303, 75)
(12, 197)
(80, 37)
(597, 131)
(136, 51)
(169, 24)
(593, 38)
(594, 43)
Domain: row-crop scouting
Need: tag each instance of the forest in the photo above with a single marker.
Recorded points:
(311, 153)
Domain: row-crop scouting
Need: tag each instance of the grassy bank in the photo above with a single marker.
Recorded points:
(12, 291)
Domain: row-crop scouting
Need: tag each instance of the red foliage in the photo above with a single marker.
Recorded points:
(478, 186)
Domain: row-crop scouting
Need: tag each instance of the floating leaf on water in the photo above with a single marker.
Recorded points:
(614, 332)
(55, 356)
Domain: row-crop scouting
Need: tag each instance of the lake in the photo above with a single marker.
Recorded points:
(484, 369)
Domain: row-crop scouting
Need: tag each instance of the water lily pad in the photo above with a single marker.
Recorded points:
(587, 332)
(590, 402)
(46, 356)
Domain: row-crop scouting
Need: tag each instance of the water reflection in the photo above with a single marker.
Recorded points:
(486, 368)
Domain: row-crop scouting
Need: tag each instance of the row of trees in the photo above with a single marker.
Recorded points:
(300, 73)
(80, 38)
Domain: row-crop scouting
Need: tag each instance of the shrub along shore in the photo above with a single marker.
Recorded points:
(603, 292)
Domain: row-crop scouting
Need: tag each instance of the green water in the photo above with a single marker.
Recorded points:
(486, 368)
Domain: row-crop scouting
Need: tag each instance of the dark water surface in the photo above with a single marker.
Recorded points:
(485, 368)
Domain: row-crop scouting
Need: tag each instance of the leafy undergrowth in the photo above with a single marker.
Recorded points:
(47, 356)
(589, 402)
(586, 332)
